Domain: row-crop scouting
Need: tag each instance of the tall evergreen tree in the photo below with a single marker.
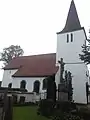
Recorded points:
(85, 56)
(51, 88)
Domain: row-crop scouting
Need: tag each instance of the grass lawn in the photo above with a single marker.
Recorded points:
(26, 113)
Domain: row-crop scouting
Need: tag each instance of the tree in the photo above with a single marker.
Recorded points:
(70, 89)
(10, 52)
(51, 88)
(85, 56)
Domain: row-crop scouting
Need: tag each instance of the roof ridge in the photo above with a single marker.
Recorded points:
(35, 55)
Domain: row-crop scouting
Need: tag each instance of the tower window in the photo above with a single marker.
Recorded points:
(71, 37)
(67, 38)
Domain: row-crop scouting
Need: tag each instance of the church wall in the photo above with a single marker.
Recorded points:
(70, 53)
(28, 97)
(7, 77)
(79, 80)
(29, 82)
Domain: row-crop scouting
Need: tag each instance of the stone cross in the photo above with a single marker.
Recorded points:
(61, 69)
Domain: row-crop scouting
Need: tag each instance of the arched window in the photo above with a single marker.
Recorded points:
(45, 84)
(10, 85)
(23, 84)
(36, 86)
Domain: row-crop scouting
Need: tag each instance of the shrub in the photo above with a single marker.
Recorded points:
(85, 112)
(25, 104)
(65, 106)
(66, 116)
(46, 107)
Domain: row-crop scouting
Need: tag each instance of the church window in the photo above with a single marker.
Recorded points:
(71, 37)
(23, 84)
(44, 84)
(36, 86)
(10, 85)
(22, 99)
(67, 38)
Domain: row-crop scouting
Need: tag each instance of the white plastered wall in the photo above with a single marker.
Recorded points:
(29, 82)
(70, 53)
(7, 77)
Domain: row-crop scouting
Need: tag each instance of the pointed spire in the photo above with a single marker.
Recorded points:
(72, 22)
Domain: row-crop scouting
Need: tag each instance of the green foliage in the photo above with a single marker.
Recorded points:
(10, 52)
(46, 107)
(85, 112)
(49, 107)
(19, 104)
(70, 89)
(85, 56)
(27, 113)
(51, 88)
(66, 116)
(65, 106)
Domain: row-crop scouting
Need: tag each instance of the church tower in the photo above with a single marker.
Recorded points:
(69, 42)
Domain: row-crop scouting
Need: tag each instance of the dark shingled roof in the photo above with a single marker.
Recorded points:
(34, 66)
(72, 23)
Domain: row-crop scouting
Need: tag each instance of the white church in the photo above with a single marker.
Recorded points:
(25, 71)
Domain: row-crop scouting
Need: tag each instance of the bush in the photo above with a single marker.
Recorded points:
(65, 106)
(46, 107)
(66, 116)
(85, 112)
(25, 104)
(49, 108)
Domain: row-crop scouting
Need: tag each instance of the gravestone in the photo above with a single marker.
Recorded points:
(62, 92)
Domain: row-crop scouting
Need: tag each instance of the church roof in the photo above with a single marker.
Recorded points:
(34, 66)
(72, 22)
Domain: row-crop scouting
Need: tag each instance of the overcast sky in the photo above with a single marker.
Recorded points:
(33, 24)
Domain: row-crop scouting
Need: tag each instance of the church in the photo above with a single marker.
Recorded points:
(26, 71)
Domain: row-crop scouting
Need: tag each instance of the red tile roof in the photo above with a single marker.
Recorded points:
(34, 66)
